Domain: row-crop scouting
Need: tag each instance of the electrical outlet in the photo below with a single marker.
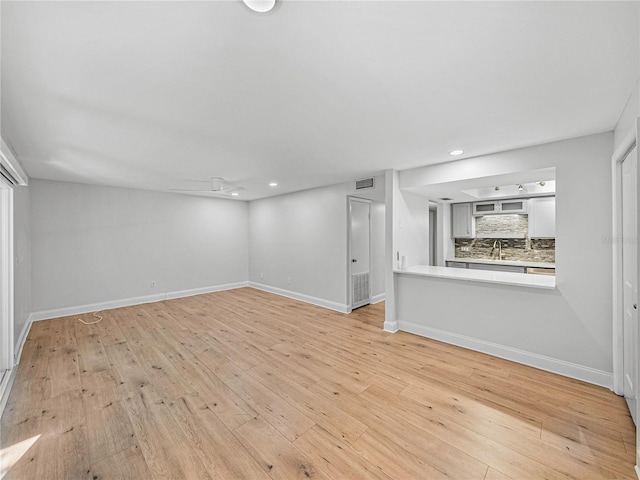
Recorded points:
(261, 275)
(153, 283)
(288, 280)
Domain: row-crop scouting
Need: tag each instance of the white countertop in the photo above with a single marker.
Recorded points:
(515, 263)
(504, 278)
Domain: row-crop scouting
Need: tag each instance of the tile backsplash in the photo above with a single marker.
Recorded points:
(507, 224)
(536, 250)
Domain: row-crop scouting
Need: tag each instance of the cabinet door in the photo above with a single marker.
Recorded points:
(497, 268)
(461, 223)
(456, 265)
(485, 208)
(513, 206)
(542, 217)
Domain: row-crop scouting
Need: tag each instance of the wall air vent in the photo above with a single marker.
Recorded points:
(364, 183)
(446, 199)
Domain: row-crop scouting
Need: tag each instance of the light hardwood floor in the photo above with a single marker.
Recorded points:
(245, 384)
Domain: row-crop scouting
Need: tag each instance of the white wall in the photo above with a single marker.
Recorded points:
(410, 227)
(93, 245)
(22, 263)
(572, 324)
(377, 249)
(298, 243)
(627, 121)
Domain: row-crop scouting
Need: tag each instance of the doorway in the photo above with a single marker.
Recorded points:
(359, 259)
(629, 272)
(433, 233)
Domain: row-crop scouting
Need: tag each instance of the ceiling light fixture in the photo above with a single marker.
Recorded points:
(234, 194)
(542, 184)
(260, 6)
(273, 184)
(497, 189)
(520, 187)
(455, 153)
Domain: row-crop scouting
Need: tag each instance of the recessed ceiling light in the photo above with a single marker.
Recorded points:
(273, 184)
(260, 6)
(234, 194)
(455, 153)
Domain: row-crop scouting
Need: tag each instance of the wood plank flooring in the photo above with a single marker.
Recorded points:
(243, 384)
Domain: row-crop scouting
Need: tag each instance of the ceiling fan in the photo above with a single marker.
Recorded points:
(219, 186)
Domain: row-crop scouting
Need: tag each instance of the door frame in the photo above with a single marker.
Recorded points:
(6, 284)
(349, 257)
(619, 155)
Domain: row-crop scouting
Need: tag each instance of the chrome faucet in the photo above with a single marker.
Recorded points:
(499, 244)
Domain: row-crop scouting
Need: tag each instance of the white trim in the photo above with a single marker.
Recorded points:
(561, 367)
(6, 276)
(377, 298)
(127, 302)
(203, 290)
(12, 164)
(637, 470)
(617, 158)
(320, 302)
(391, 327)
(23, 338)
(5, 388)
(351, 199)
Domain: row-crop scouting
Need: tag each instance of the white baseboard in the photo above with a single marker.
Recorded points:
(127, 302)
(5, 388)
(23, 337)
(320, 302)
(377, 299)
(203, 290)
(637, 469)
(390, 326)
(561, 367)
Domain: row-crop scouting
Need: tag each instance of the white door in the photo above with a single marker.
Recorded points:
(359, 252)
(629, 278)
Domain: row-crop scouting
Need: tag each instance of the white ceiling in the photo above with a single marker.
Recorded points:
(152, 94)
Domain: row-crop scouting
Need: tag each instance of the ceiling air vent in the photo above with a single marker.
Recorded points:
(446, 199)
(364, 183)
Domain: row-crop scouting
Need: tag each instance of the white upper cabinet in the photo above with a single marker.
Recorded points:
(495, 207)
(542, 217)
(514, 206)
(462, 221)
(486, 208)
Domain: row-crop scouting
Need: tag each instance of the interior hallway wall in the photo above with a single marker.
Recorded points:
(298, 243)
(377, 250)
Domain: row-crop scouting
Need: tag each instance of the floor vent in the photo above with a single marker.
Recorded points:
(364, 183)
(361, 292)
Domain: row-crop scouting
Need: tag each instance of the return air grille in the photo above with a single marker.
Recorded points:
(364, 183)
(361, 295)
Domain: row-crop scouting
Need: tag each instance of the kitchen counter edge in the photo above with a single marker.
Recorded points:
(486, 276)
